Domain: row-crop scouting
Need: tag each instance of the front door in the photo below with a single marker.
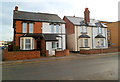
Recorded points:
(38, 45)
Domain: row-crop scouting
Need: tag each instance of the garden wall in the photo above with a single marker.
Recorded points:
(97, 51)
(20, 55)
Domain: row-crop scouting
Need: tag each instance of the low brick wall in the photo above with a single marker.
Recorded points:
(97, 51)
(47, 52)
(62, 53)
(20, 55)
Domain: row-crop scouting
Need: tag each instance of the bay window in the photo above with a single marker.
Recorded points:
(86, 42)
(26, 43)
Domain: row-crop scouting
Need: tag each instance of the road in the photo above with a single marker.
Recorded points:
(102, 68)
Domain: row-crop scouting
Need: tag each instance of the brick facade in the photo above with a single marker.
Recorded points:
(20, 55)
(62, 53)
(98, 51)
(70, 29)
(18, 30)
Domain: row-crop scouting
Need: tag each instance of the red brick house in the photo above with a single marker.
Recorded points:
(38, 31)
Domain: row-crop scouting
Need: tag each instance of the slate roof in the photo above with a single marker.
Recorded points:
(35, 35)
(80, 21)
(47, 37)
(84, 36)
(99, 36)
(33, 16)
(50, 37)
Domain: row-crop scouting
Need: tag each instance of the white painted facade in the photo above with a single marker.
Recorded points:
(47, 29)
(74, 43)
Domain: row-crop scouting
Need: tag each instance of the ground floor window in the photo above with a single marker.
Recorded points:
(99, 42)
(83, 42)
(26, 43)
(55, 45)
(86, 42)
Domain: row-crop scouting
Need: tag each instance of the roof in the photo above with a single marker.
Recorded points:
(80, 21)
(35, 35)
(99, 36)
(47, 37)
(33, 16)
(84, 36)
(50, 37)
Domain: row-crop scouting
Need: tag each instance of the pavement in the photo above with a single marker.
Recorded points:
(49, 59)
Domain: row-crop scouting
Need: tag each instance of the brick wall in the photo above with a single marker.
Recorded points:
(62, 53)
(20, 55)
(96, 51)
(18, 29)
(69, 26)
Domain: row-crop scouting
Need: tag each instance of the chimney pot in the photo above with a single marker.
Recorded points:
(87, 15)
(16, 8)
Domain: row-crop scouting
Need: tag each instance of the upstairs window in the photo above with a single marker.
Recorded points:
(31, 27)
(99, 30)
(52, 28)
(24, 27)
(83, 29)
(57, 28)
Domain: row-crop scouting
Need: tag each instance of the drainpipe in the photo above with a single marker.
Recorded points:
(92, 37)
(77, 37)
(61, 38)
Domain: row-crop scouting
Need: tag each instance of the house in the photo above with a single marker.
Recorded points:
(113, 34)
(39, 31)
(85, 33)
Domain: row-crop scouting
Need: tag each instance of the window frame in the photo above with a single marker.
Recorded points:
(31, 28)
(23, 43)
(24, 28)
(85, 42)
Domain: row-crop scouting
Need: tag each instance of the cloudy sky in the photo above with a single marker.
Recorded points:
(105, 10)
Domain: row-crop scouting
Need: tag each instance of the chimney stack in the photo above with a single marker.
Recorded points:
(87, 15)
(16, 8)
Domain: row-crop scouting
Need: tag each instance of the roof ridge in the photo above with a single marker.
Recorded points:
(35, 12)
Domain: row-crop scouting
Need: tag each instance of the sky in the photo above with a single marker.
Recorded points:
(104, 10)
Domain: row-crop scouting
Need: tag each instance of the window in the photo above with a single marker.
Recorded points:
(83, 29)
(55, 45)
(31, 27)
(81, 42)
(86, 42)
(99, 30)
(24, 25)
(26, 43)
(102, 42)
(52, 28)
(57, 28)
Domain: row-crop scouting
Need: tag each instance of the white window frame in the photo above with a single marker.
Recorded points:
(31, 28)
(57, 28)
(99, 30)
(24, 27)
(23, 43)
(83, 29)
(85, 42)
(55, 45)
